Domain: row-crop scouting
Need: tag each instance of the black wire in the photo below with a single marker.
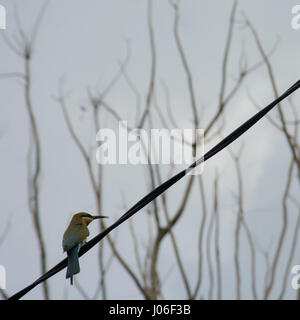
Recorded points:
(160, 189)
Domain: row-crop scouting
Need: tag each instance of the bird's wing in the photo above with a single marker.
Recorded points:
(73, 237)
(70, 240)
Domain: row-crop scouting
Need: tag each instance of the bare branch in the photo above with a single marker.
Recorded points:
(185, 64)
(291, 256)
(153, 65)
(224, 70)
(217, 236)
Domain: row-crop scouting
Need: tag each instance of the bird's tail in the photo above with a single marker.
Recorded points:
(73, 263)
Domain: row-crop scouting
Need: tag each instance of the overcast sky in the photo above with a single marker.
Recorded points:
(85, 41)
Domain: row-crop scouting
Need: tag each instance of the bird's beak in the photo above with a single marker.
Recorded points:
(88, 220)
(99, 217)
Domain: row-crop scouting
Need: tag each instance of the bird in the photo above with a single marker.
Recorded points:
(74, 237)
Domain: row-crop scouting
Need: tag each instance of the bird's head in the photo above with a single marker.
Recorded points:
(85, 218)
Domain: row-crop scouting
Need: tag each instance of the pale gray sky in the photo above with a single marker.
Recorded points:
(85, 41)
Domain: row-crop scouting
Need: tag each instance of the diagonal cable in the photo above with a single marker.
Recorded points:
(161, 188)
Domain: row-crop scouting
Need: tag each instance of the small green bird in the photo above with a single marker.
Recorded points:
(74, 237)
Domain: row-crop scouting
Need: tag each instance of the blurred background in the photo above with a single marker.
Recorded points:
(69, 68)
